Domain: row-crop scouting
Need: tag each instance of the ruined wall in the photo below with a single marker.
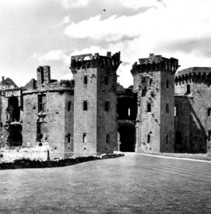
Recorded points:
(95, 125)
(194, 85)
(182, 124)
(167, 112)
(30, 119)
(85, 128)
(106, 118)
(154, 85)
(69, 121)
(148, 122)
(126, 118)
(56, 122)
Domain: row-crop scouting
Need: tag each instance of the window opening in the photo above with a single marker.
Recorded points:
(167, 108)
(208, 111)
(107, 106)
(148, 107)
(106, 80)
(69, 106)
(42, 103)
(85, 80)
(85, 105)
(188, 89)
(108, 139)
(148, 138)
(167, 139)
(84, 138)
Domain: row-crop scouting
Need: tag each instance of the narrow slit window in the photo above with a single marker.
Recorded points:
(167, 139)
(209, 112)
(128, 111)
(148, 107)
(107, 106)
(188, 89)
(167, 108)
(85, 80)
(176, 110)
(84, 138)
(69, 106)
(85, 105)
(167, 84)
(148, 138)
(106, 80)
(108, 139)
(209, 135)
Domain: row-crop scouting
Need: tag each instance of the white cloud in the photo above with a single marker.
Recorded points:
(67, 4)
(53, 55)
(136, 4)
(155, 30)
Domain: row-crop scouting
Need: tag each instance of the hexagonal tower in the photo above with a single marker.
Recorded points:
(154, 85)
(95, 100)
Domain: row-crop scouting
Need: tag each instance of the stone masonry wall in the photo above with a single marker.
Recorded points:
(167, 112)
(85, 128)
(106, 120)
(148, 123)
(194, 85)
(30, 119)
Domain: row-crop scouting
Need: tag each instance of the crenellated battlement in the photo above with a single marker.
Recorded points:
(86, 61)
(194, 74)
(155, 63)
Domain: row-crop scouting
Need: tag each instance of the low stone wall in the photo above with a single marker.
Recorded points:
(10, 155)
(27, 163)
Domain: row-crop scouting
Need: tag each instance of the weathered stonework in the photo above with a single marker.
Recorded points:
(126, 118)
(154, 85)
(192, 103)
(95, 126)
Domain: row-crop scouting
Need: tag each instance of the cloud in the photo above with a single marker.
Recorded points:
(167, 28)
(111, 29)
(67, 4)
(53, 55)
(136, 4)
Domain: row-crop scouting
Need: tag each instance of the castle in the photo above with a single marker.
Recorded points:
(165, 111)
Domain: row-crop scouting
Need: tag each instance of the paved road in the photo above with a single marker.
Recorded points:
(132, 184)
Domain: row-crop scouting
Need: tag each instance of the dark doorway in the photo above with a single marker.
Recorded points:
(15, 135)
(13, 110)
(127, 138)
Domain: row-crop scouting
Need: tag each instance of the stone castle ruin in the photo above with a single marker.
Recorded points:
(164, 111)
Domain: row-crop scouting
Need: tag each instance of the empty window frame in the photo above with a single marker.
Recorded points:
(148, 138)
(107, 106)
(106, 80)
(167, 84)
(69, 106)
(41, 102)
(188, 89)
(167, 139)
(176, 108)
(128, 112)
(68, 138)
(167, 108)
(209, 135)
(148, 107)
(85, 105)
(85, 80)
(108, 139)
(209, 112)
(84, 138)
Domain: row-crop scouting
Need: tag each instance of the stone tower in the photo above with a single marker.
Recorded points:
(154, 85)
(95, 123)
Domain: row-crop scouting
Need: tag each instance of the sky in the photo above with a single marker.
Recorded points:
(48, 32)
